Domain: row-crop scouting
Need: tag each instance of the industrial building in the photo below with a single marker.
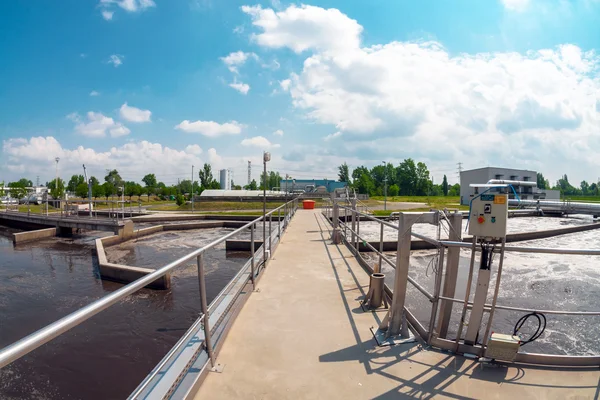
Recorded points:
(311, 185)
(225, 179)
(483, 175)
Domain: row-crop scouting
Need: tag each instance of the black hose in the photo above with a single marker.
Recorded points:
(539, 331)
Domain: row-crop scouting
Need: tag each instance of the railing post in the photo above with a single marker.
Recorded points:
(451, 274)
(252, 273)
(358, 233)
(204, 305)
(335, 220)
(270, 236)
(279, 224)
(377, 268)
(353, 236)
(436, 294)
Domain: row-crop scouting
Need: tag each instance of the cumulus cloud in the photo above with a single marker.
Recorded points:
(94, 93)
(236, 59)
(98, 125)
(243, 88)
(305, 27)
(515, 5)
(35, 156)
(259, 141)
(210, 128)
(116, 60)
(131, 6)
(134, 114)
(278, 132)
(418, 100)
(193, 149)
(332, 136)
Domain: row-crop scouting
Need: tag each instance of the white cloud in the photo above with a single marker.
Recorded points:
(243, 88)
(515, 5)
(237, 59)
(132, 6)
(332, 136)
(274, 65)
(210, 128)
(285, 84)
(278, 132)
(35, 156)
(116, 60)
(305, 27)
(415, 99)
(134, 114)
(94, 93)
(259, 141)
(98, 125)
(193, 149)
(238, 29)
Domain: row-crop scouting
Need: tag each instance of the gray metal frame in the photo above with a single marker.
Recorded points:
(443, 298)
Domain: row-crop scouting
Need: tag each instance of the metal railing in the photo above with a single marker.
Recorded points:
(31, 342)
(447, 254)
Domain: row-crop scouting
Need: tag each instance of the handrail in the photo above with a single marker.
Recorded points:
(36, 339)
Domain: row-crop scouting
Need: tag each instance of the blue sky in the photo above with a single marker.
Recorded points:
(158, 86)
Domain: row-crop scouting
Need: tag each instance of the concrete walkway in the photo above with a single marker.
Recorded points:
(304, 336)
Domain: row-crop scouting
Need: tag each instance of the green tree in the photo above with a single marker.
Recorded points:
(114, 178)
(185, 186)
(423, 180)
(75, 181)
(445, 186)
(132, 189)
(57, 191)
(150, 182)
(364, 184)
(344, 173)
(585, 187)
(179, 200)
(252, 186)
(81, 190)
(24, 182)
(94, 181)
(109, 189)
(541, 181)
(206, 176)
(97, 190)
(393, 190)
(406, 177)
(17, 189)
(454, 190)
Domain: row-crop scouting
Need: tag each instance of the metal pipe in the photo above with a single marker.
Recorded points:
(495, 298)
(270, 235)
(378, 269)
(204, 305)
(509, 182)
(436, 294)
(467, 292)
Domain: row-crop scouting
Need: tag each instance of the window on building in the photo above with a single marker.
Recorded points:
(513, 177)
(526, 178)
(498, 176)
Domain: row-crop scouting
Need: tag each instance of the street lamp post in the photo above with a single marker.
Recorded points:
(57, 159)
(384, 186)
(266, 157)
(192, 188)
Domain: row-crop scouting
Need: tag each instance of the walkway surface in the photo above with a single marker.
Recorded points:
(304, 336)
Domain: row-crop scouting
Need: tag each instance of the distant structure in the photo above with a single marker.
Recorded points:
(249, 171)
(224, 179)
(483, 175)
(311, 185)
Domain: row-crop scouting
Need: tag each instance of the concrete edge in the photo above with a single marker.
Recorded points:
(22, 237)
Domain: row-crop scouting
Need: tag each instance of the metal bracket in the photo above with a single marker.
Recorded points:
(218, 368)
(383, 341)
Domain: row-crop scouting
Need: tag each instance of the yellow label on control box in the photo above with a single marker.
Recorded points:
(499, 199)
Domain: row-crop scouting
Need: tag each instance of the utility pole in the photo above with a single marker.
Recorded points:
(384, 186)
(192, 188)
(89, 190)
(249, 171)
(460, 168)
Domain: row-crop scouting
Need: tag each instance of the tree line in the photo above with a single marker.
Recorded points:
(115, 185)
(406, 179)
(562, 184)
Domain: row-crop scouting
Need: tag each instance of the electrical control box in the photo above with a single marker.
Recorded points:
(489, 213)
(502, 347)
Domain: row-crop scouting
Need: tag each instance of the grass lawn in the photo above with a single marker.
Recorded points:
(217, 206)
(33, 208)
(421, 199)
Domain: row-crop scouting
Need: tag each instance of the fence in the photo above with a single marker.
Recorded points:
(221, 305)
(446, 271)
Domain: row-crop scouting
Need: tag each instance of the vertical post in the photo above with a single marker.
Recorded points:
(279, 224)
(397, 322)
(436, 294)
(357, 231)
(264, 209)
(252, 256)
(377, 269)
(335, 216)
(451, 274)
(204, 305)
(192, 188)
(353, 221)
(496, 290)
(270, 235)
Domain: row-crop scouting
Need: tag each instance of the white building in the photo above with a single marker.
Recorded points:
(483, 175)
(225, 179)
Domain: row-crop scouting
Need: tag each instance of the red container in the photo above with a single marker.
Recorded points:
(308, 204)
